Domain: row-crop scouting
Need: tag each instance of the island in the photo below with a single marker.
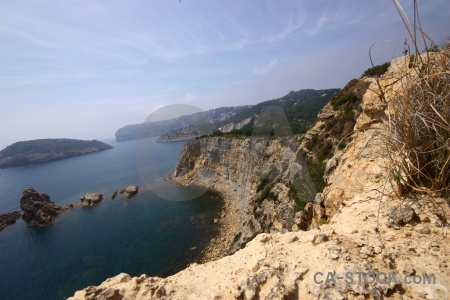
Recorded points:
(46, 150)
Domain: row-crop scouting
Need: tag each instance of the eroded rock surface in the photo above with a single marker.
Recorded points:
(257, 176)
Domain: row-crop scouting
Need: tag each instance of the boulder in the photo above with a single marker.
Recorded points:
(114, 195)
(131, 190)
(91, 199)
(326, 112)
(37, 208)
(303, 218)
(401, 215)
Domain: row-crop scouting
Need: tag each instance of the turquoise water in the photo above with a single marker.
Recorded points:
(145, 234)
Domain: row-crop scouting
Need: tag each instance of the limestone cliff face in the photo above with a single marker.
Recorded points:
(256, 175)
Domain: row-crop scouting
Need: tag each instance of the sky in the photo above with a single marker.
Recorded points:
(83, 69)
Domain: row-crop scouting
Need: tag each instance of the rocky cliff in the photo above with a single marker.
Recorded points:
(374, 244)
(182, 134)
(46, 150)
(260, 178)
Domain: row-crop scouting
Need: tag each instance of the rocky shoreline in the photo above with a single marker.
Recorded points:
(228, 226)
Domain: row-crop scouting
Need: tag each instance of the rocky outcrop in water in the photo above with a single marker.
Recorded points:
(37, 208)
(128, 192)
(9, 219)
(131, 190)
(91, 199)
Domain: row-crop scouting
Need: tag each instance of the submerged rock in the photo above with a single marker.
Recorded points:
(37, 208)
(114, 195)
(91, 199)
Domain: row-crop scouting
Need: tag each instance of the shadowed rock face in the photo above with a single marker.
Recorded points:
(37, 208)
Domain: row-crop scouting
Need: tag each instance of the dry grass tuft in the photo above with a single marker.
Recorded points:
(418, 122)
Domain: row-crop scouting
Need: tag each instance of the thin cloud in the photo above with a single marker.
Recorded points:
(324, 19)
(189, 98)
(265, 69)
(28, 37)
(287, 31)
(118, 56)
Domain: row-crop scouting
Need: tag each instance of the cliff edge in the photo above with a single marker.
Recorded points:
(374, 243)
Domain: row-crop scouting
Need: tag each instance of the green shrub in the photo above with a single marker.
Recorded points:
(299, 204)
(217, 133)
(248, 131)
(263, 196)
(350, 97)
(237, 237)
(316, 170)
(377, 70)
(249, 240)
(262, 184)
(342, 145)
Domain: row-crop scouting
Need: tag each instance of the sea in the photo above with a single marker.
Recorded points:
(157, 232)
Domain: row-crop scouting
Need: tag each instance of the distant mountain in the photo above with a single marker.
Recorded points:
(46, 150)
(204, 121)
(301, 108)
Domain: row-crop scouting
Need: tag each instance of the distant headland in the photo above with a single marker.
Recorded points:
(46, 150)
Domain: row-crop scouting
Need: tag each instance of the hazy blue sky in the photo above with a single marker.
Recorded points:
(82, 69)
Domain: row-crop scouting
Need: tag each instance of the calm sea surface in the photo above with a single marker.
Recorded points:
(145, 234)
